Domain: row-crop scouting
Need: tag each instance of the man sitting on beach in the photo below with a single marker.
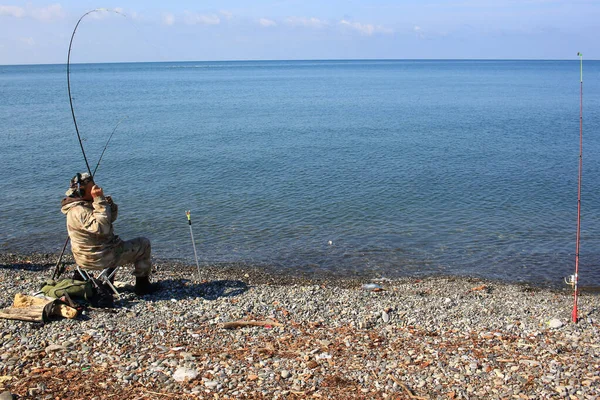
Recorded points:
(90, 217)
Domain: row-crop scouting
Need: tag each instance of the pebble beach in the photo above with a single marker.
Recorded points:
(302, 337)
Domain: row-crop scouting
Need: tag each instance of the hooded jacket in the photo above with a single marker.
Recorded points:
(89, 224)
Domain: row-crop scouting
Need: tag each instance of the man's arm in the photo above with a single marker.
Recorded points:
(100, 220)
(114, 209)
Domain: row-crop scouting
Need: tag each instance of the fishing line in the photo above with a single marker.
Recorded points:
(142, 36)
(107, 142)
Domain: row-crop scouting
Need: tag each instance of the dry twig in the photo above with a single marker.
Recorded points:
(406, 389)
(168, 394)
(238, 324)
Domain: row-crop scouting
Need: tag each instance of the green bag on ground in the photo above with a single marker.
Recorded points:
(73, 287)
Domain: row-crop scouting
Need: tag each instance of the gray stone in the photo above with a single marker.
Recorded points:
(54, 347)
(6, 395)
(211, 384)
(385, 317)
(182, 374)
(555, 323)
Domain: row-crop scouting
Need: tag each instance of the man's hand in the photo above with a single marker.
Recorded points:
(97, 191)
(109, 199)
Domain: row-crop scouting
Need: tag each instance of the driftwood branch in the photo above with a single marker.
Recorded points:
(406, 389)
(30, 314)
(177, 395)
(239, 324)
(34, 309)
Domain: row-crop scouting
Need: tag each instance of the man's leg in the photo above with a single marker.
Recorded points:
(137, 252)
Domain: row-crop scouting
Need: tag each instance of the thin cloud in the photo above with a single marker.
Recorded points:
(192, 18)
(45, 14)
(306, 22)
(27, 40)
(12, 11)
(135, 16)
(419, 32)
(226, 14)
(49, 13)
(365, 29)
(168, 19)
(264, 22)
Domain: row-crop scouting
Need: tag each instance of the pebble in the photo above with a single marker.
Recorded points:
(6, 395)
(385, 317)
(555, 323)
(54, 347)
(337, 340)
(182, 374)
(211, 384)
(371, 286)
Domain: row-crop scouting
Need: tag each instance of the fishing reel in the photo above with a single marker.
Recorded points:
(570, 280)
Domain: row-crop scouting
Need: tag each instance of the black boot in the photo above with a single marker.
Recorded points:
(143, 286)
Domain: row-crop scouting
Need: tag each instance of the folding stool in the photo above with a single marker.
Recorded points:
(104, 277)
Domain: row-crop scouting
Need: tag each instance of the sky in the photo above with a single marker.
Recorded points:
(38, 32)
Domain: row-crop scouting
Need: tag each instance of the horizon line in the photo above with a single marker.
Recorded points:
(304, 59)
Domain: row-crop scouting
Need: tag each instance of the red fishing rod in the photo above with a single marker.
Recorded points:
(575, 277)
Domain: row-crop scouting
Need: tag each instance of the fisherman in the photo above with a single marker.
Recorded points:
(90, 217)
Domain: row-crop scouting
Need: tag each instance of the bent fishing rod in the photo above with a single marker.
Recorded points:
(69, 81)
(57, 270)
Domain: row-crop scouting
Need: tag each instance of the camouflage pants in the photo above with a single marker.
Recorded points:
(137, 252)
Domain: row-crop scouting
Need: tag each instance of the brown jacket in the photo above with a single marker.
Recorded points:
(93, 242)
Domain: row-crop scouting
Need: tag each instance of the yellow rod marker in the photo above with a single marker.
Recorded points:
(189, 217)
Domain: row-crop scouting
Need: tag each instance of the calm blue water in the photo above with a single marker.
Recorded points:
(407, 167)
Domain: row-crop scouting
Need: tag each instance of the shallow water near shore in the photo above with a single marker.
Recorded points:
(406, 167)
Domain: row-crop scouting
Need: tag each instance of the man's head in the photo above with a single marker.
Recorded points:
(81, 186)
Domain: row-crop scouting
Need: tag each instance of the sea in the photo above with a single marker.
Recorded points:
(359, 168)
